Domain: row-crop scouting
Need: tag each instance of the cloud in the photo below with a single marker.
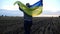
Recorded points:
(51, 5)
(10, 7)
(29, 1)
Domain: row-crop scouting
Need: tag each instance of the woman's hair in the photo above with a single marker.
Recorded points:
(27, 4)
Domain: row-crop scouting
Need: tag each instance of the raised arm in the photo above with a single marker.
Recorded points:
(33, 10)
(21, 5)
(24, 7)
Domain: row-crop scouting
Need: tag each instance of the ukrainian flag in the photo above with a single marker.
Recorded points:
(34, 10)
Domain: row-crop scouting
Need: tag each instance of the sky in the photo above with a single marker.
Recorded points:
(48, 5)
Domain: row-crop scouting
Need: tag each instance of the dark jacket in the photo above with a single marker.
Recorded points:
(26, 17)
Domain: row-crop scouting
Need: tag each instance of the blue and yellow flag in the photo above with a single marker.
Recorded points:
(38, 11)
(39, 3)
(34, 10)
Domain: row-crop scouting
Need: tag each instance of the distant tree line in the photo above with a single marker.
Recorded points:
(3, 15)
(59, 16)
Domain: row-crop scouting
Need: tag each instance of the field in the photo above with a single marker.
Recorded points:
(41, 25)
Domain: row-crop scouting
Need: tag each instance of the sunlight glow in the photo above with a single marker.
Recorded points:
(47, 16)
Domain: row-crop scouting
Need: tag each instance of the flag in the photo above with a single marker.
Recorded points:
(39, 10)
(34, 10)
(39, 3)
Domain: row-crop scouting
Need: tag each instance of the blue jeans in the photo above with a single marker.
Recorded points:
(27, 26)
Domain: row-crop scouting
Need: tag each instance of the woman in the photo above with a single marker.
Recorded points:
(27, 21)
(29, 11)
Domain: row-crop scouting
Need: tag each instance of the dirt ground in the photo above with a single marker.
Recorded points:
(41, 25)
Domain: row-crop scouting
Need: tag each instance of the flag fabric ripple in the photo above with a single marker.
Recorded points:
(34, 10)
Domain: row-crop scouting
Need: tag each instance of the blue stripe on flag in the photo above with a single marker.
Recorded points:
(39, 3)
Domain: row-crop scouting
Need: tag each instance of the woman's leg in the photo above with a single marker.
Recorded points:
(27, 26)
